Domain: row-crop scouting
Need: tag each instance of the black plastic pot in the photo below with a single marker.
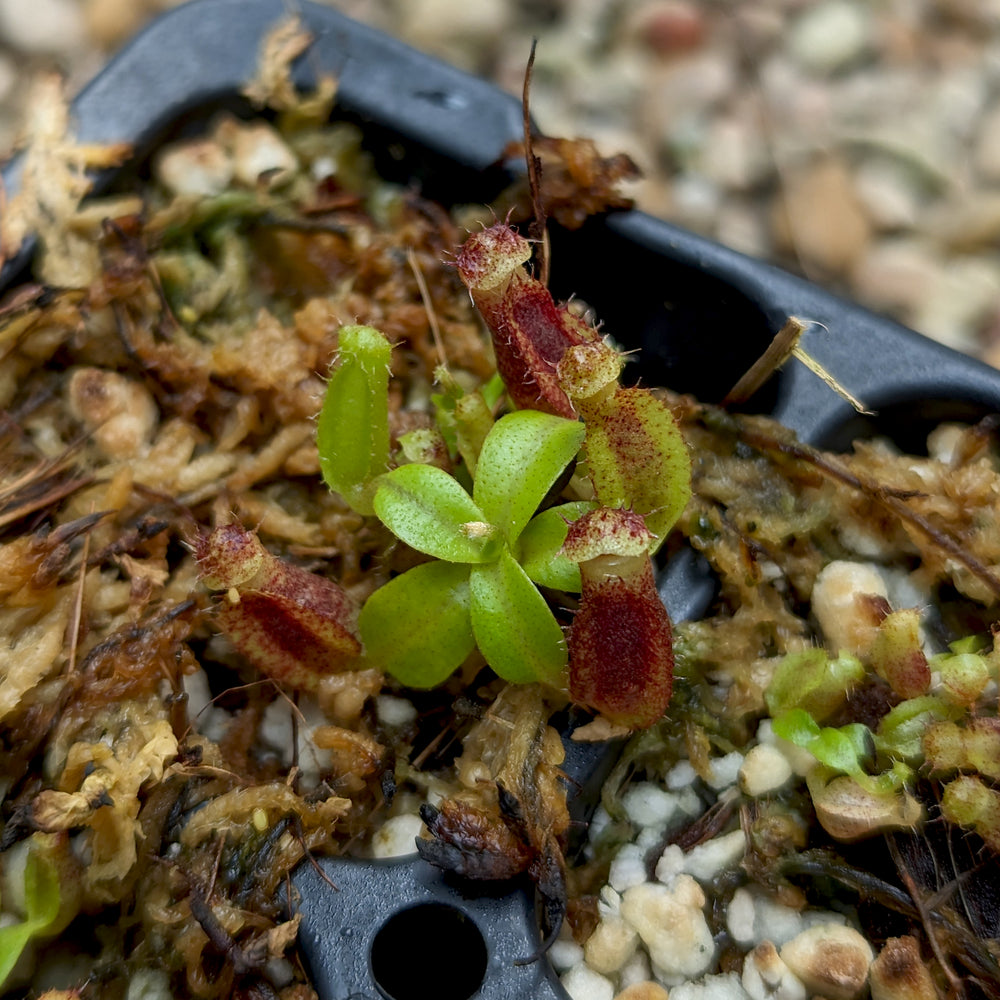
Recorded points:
(700, 313)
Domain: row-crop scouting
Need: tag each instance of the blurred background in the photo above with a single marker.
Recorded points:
(854, 141)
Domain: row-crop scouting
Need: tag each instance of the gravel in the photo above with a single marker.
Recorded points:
(856, 143)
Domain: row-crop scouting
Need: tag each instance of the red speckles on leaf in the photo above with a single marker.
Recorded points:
(898, 656)
(489, 258)
(607, 532)
(621, 659)
(530, 332)
(637, 456)
(229, 556)
(292, 625)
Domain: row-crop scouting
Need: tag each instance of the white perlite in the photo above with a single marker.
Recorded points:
(723, 771)
(767, 977)
(582, 983)
(628, 868)
(723, 987)
(395, 712)
(765, 769)
(705, 861)
(564, 954)
(672, 925)
(753, 918)
(648, 805)
(149, 984)
(838, 602)
(611, 945)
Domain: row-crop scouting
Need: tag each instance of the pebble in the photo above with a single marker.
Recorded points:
(888, 195)
(42, 27)
(819, 217)
(828, 36)
(111, 22)
(668, 27)
(464, 33)
(722, 106)
(890, 273)
(986, 155)
(959, 301)
(396, 837)
(831, 960)
(840, 602)
(8, 76)
(734, 155)
(647, 990)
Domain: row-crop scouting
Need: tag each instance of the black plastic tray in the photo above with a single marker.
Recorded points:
(700, 313)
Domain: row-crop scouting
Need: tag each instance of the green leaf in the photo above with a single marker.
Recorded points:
(796, 726)
(541, 541)
(417, 626)
(514, 628)
(522, 457)
(426, 508)
(638, 459)
(473, 423)
(492, 389)
(353, 428)
(812, 681)
(842, 749)
(41, 903)
(901, 730)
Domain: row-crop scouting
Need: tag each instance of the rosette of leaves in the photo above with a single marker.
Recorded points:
(491, 553)
(491, 549)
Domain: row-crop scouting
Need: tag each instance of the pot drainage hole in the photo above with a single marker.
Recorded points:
(430, 949)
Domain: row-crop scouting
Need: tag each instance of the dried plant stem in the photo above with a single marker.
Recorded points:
(77, 620)
(534, 164)
(425, 297)
(774, 356)
(786, 345)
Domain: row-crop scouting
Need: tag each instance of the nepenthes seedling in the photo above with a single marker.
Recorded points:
(623, 478)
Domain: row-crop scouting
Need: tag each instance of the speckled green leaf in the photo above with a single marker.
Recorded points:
(522, 456)
(417, 626)
(428, 509)
(638, 459)
(514, 628)
(541, 541)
